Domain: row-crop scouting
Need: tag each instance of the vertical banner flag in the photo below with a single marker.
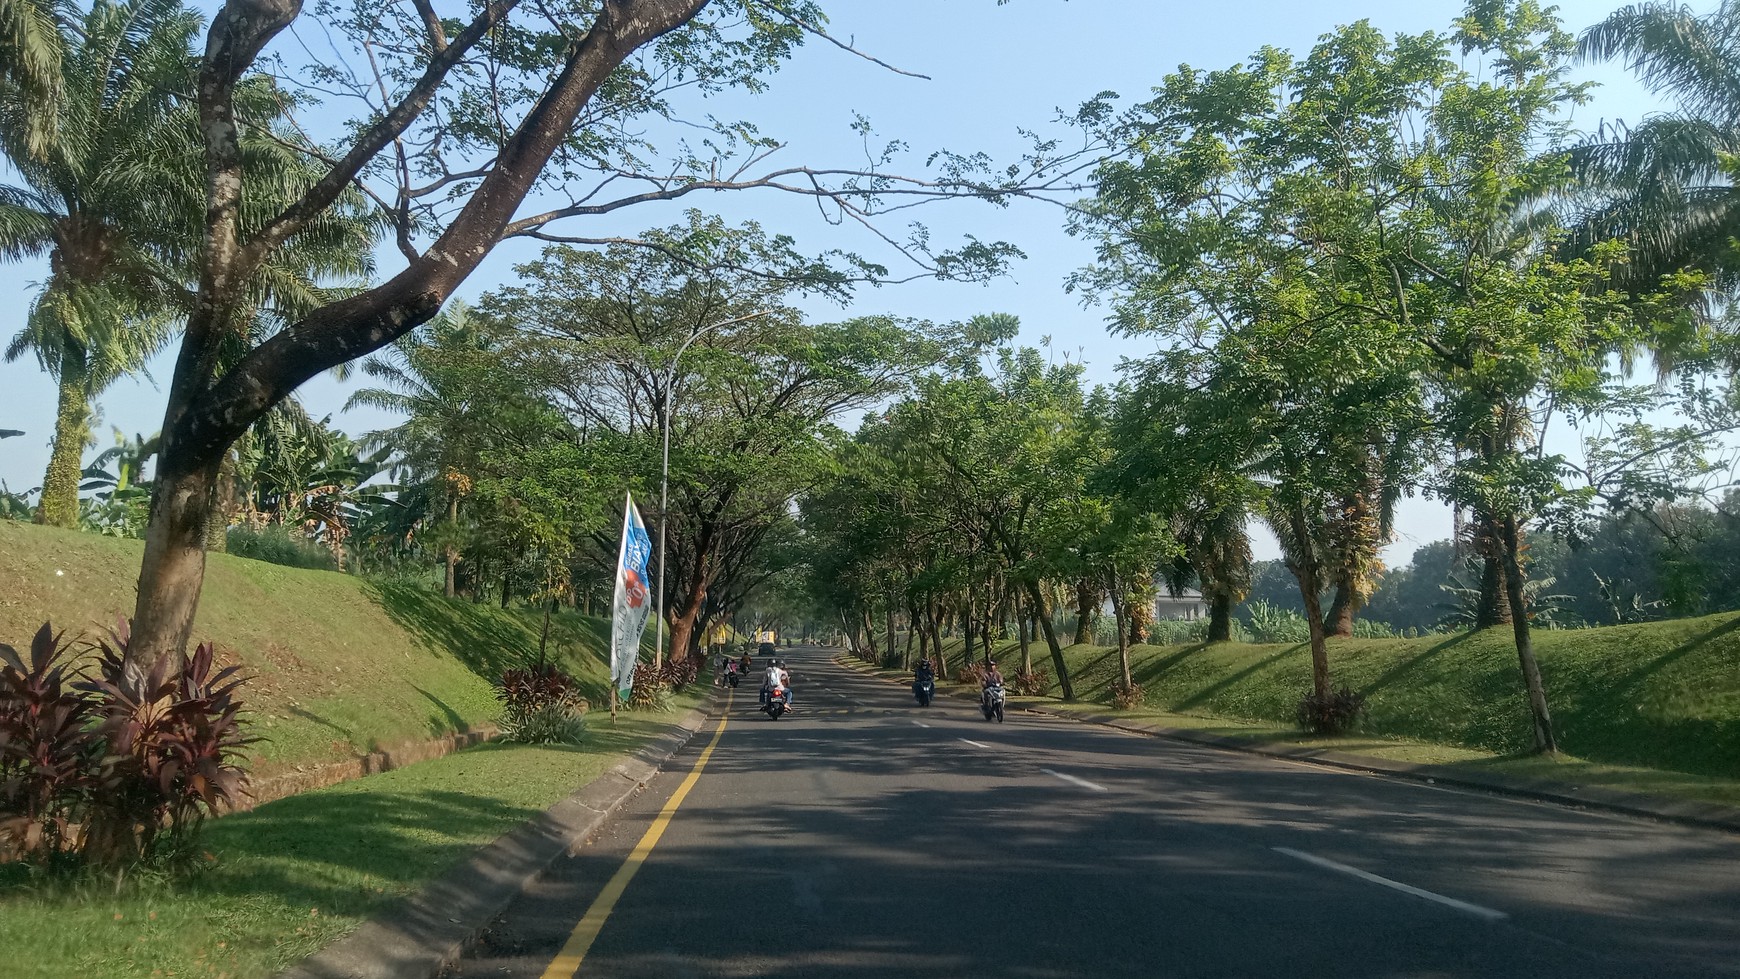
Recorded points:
(633, 599)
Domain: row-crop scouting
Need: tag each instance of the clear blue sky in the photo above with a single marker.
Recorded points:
(993, 69)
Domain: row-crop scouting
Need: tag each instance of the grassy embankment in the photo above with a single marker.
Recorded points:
(1653, 707)
(340, 666)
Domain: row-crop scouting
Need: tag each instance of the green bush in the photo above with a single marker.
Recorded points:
(277, 544)
(541, 705)
(549, 723)
(1272, 623)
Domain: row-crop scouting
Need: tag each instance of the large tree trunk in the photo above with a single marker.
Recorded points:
(217, 526)
(59, 504)
(1495, 603)
(1342, 609)
(1542, 719)
(1138, 616)
(1120, 618)
(207, 412)
(451, 557)
(1087, 605)
(934, 621)
(1306, 569)
(174, 565)
(868, 624)
(1038, 598)
(914, 637)
(683, 625)
(967, 622)
(888, 630)
(1357, 537)
(1024, 630)
(1220, 616)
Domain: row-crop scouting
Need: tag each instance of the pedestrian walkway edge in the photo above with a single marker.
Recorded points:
(1685, 812)
(430, 931)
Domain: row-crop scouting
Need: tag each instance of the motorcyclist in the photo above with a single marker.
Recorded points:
(776, 676)
(922, 675)
(992, 677)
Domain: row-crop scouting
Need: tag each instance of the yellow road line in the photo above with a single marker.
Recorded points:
(567, 961)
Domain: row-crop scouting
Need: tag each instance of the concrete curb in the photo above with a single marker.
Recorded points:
(428, 933)
(1702, 815)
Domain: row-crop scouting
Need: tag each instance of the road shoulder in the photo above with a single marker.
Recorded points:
(428, 933)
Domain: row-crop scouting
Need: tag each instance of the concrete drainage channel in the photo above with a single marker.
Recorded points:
(426, 936)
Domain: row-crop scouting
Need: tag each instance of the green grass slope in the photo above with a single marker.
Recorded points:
(339, 664)
(1659, 695)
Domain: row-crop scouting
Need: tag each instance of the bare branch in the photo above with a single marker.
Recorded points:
(432, 23)
(386, 129)
(818, 31)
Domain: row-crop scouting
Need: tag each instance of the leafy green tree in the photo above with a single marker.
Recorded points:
(1373, 189)
(30, 66)
(748, 404)
(575, 93)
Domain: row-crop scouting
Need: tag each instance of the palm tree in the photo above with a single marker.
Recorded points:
(426, 377)
(115, 204)
(30, 54)
(87, 199)
(1663, 185)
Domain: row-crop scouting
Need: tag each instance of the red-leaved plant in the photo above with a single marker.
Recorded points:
(50, 751)
(651, 691)
(174, 739)
(1030, 683)
(679, 673)
(118, 765)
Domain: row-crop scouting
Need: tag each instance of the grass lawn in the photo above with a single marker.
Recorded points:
(290, 877)
(1647, 708)
(340, 665)
(1661, 695)
(1565, 770)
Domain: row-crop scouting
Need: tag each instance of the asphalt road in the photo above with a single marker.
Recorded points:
(863, 836)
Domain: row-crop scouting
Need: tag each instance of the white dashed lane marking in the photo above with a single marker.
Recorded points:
(1449, 902)
(1071, 779)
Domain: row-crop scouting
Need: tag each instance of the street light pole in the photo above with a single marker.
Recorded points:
(670, 395)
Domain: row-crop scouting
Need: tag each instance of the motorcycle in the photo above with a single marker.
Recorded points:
(991, 702)
(731, 679)
(924, 691)
(778, 702)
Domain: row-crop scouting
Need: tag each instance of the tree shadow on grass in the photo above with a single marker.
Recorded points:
(1636, 678)
(447, 720)
(488, 642)
(1208, 693)
(1408, 665)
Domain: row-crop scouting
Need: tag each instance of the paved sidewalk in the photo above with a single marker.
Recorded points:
(1708, 815)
